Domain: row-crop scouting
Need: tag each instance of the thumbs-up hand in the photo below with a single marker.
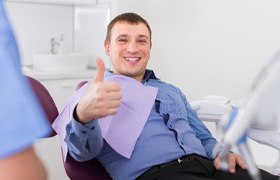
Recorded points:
(101, 99)
(100, 71)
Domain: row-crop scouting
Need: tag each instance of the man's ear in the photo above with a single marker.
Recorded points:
(106, 47)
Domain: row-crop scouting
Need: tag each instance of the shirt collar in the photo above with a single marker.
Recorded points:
(149, 74)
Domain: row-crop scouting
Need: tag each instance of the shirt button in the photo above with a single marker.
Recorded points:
(84, 132)
(181, 142)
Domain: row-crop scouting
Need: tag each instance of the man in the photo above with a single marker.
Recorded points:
(174, 143)
(21, 119)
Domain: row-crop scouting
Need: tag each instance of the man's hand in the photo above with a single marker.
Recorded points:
(233, 160)
(101, 99)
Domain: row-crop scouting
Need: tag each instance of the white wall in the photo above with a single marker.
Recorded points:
(137, 6)
(213, 47)
(35, 24)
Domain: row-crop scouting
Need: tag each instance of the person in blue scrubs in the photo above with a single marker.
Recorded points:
(22, 120)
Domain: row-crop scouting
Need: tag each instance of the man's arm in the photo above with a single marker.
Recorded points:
(83, 134)
(202, 132)
(208, 141)
(24, 165)
(84, 141)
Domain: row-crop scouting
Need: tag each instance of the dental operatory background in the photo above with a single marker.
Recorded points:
(205, 47)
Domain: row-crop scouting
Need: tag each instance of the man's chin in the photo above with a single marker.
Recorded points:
(134, 75)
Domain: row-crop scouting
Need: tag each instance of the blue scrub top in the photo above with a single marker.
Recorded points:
(22, 120)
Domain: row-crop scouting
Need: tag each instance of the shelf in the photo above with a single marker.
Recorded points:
(59, 75)
(57, 2)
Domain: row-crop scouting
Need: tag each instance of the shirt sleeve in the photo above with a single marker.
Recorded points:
(22, 119)
(202, 132)
(84, 141)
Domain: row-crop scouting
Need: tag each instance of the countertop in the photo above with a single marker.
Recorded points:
(48, 75)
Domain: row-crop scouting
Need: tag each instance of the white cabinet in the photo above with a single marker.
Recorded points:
(49, 151)
(61, 89)
(61, 85)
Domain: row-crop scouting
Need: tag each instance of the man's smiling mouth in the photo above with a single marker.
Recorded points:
(132, 59)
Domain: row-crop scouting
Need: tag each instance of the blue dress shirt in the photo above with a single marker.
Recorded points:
(171, 131)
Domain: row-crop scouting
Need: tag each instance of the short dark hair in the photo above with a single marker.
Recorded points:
(131, 18)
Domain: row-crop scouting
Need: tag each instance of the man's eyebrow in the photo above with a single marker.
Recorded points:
(122, 35)
(139, 36)
(143, 36)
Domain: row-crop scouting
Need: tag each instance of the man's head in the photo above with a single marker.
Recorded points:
(128, 44)
(130, 18)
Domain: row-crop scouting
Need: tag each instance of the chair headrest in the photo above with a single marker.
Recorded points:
(45, 100)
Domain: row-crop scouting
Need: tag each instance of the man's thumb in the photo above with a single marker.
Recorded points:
(100, 71)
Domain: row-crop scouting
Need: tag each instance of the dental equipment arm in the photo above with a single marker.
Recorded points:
(260, 110)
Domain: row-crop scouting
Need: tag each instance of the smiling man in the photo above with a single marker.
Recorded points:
(173, 144)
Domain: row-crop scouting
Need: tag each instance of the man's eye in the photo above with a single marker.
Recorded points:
(142, 41)
(122, 40)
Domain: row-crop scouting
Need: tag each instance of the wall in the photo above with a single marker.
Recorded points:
(213, 47)
(137, 6)
(35, 24)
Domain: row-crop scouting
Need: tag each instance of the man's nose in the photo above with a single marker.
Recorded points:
(132, 47)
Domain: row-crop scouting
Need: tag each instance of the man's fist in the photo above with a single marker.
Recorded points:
(101, 99)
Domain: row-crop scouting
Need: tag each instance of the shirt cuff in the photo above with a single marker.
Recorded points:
(84, 129)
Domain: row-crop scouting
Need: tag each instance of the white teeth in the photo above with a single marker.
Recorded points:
(132, 59)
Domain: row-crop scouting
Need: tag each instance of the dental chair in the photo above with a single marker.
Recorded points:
(45, 100)
(89, 170)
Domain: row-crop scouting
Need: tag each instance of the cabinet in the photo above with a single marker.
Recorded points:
(62, 89)
(61, 86)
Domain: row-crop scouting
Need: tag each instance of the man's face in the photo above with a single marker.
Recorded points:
(129, 49)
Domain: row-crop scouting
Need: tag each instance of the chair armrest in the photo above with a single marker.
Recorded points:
(211, 108)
